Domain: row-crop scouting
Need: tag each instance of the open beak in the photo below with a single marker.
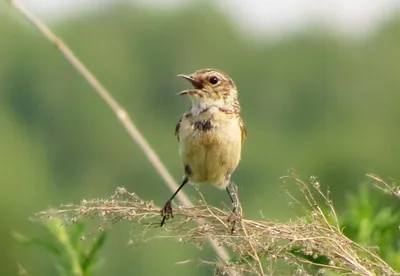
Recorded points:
(196, 84)
(187, 92)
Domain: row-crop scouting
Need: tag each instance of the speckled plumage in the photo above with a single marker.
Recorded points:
(211, 132)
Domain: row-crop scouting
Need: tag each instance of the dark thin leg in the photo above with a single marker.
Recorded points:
(166, 212)
(232, 195)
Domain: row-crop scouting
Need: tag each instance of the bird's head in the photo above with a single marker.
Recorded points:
(212, 87)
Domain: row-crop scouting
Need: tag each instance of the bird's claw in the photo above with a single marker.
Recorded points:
(234, 218)
(166, 212)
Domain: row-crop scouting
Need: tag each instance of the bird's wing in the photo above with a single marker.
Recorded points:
(242, 128)
(177, 127)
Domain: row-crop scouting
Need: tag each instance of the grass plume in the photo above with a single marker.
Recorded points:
(310, 244)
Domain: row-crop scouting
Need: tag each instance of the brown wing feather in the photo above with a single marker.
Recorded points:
(177, 127)
(242, 128)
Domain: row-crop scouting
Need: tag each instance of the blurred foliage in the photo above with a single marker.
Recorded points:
(322, 103)
(372, 220)
(67, 245)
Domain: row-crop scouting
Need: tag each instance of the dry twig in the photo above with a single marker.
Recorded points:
(382, 185)
(310, 244)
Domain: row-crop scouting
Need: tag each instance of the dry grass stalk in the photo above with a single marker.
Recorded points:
(260, 247)
(382, 185)
(119, 112)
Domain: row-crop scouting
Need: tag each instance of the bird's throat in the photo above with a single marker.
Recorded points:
(205, 107)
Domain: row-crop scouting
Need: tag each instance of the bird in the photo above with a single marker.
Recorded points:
(210, 134)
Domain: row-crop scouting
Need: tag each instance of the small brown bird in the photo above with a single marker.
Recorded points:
(210, 133)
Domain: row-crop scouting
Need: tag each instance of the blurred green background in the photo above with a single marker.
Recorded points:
(324, 103)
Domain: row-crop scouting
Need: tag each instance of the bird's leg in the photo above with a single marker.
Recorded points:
(231, 193)
(166, 211)
(233, 196)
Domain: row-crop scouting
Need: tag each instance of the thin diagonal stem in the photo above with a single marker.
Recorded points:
(120, 113)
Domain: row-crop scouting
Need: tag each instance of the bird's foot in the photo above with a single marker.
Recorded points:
(166, 212)
(235, 217)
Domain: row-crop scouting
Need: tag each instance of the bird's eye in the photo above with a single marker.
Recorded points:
(213, 80)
